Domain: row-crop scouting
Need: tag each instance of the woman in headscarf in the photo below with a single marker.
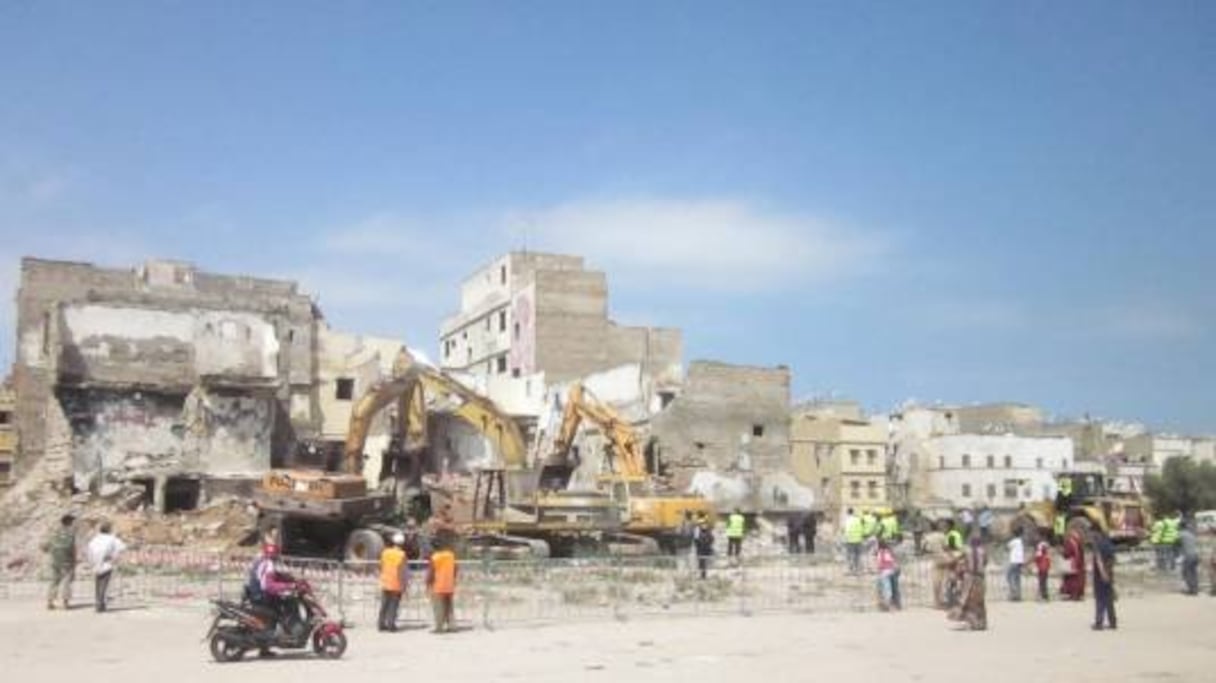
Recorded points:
(1073, 586)
(972, 610)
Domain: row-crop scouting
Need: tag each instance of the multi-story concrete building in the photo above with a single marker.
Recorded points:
(842, 459)
(163, 374)
(8, 433)
(999, 471)
(527, 313)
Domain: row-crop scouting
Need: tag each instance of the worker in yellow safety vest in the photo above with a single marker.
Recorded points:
(888, 527)
(1169, 540)
(1156, 536)
(854, 535)
(736, 525)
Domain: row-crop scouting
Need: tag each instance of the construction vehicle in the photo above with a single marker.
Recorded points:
(647, 510)
(324, 514)
(1093, 504)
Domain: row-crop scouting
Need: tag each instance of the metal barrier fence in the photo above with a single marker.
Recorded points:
(492, 594)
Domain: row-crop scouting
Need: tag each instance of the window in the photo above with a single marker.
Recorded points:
(1011, 488)
(966, 460)
(502, 275)
(824, 483)
(517, 330)
(5, 417)
(757, 430)
(1008, 462)
(291, 336)
(502, 321)
(991, 491)
(345, 389)
(470, 354)
(871, 489)
(6, 470)
(854, 456)
(1038, 463)
(515, 372)
(1065, 464)
(991, 461)
(854, 490)
(665, 398)
(966, 490)
(502, 364)
(871, 456)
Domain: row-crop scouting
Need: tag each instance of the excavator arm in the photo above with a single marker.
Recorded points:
(408, 389)
(627, 460)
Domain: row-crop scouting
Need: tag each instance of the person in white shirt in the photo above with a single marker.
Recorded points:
(1017, 558)
(103, 552)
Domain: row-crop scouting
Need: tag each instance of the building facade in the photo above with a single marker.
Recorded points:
(998, 471)
(842, 459)
(159, 375)
(527, 313)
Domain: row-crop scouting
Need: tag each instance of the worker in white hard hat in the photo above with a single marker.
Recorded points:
(393, 573)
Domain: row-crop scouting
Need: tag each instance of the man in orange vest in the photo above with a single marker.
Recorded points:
(393, 569)
(441, 579)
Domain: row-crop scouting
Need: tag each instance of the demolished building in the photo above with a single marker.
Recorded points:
(164, 376)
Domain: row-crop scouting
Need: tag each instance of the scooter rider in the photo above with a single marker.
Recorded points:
(269, 590)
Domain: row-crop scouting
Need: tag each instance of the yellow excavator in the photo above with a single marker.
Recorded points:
(510, 514)
(646, 510)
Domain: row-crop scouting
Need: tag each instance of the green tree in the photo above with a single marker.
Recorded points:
(1183, 486)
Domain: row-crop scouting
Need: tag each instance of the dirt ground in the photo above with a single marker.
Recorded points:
(1161, 638)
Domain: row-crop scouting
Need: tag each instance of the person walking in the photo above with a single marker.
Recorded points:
(1104, 582)
(793, 532)
(972, 609)
(61, 547)
(1073, 585)
(853, 537)
(1016, 549)
(441, 580)
(394, 570)
(703, 544)
(1042, 563)
(103, 551)
(736, 526)
(985, 521)
(1188, 547)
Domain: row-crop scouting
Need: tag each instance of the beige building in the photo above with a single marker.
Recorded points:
(527, 313)
(842, 459)
(8, 434)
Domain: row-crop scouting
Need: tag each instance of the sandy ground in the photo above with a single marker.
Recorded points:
(1161, 638)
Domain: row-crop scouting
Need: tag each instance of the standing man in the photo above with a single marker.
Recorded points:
(393, 572)
(103, 551)
(1156, 537)
(1188, 546)
(1169, 540)
(985, 521)
(1104, 582)
(853, 536)
(793, 529)
(703, 545)
(441, 579)
(1013, 572)
(62, 550)
(810, 527)
(736, 524)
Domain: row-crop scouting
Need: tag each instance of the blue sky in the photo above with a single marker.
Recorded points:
(954, 201)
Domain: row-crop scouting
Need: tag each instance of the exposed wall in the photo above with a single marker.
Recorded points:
(975, 469)
(712, 423)
(105, 339)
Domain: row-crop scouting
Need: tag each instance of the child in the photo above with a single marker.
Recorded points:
(888, 577)
(1042, 562)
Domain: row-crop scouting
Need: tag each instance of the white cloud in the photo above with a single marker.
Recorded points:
(713, 244)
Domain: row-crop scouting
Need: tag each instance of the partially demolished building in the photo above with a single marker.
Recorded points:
(161, 375)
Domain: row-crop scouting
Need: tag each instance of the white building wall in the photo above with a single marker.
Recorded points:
(1001, 471)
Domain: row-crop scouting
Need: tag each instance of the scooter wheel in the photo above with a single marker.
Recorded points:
(329, 645)
(224, 648)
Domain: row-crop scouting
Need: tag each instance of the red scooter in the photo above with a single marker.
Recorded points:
(300, 622)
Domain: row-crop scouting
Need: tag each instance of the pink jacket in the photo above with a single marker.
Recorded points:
(268, 576)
